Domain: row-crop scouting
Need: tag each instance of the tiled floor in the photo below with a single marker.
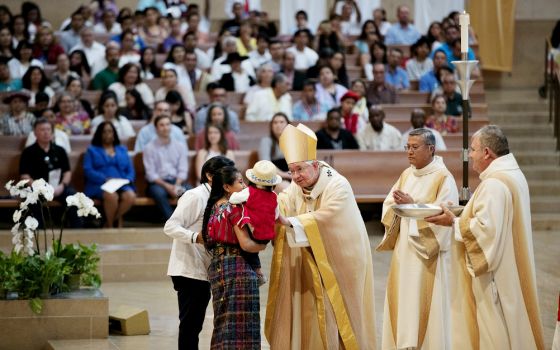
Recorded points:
(160, 300)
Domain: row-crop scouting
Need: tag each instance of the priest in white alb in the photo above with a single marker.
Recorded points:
(496, 289)
(321, 293)
(417, 313)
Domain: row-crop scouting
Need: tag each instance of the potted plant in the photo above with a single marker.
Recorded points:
(37, 273)
(82, 261)
(9, 274)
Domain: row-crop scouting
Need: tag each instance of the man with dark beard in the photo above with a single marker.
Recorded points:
(378, 135)
(332, 136)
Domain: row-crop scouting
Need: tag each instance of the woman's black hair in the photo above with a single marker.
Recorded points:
(9, 12)
(225, 124)
(26, 79)
(97, 139)
(222, 144)
(106, 95)
(429, 36)
(275, 140)
(29, 6)
(127, 67)
(423, 40)
(224, 176)
(21, 45)
(212, 165)
(364, 34)
(84, 65)
(170, 54)
(173, 97)
(71, 79)
(383, 47)
(26, 35)
(139, 106)
(152, 66)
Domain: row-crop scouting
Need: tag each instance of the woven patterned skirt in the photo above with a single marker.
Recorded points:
(235, 297)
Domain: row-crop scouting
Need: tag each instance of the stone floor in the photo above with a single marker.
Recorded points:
(160, 300)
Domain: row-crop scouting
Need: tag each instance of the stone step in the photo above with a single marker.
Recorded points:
(544, 188)
(520, 106)
(82, 344)
(527, 130)
(134, 262)
(532, 143)
(501, 118)
(542, 172)
(546, 221)
(545, 204)
(504, 95)
(134, 272)
(537, 158)
(104, 236)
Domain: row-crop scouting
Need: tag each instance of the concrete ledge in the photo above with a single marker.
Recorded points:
(78, 315)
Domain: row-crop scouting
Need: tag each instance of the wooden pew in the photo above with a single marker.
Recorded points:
(372, 173)
(417, 97)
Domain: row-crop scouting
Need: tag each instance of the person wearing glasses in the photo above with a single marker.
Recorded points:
(378, 135)
(417, 301)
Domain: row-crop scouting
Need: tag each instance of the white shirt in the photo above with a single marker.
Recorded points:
(95, 56)
(257, 59)
(122, 125)
(101, 29)
(264, 104)
(415, 69)
(188, 259)
(219, 69)
(17, 69)
(241, 81)
(389, 139)
(60, 138)
(303, 59)
(142, 88)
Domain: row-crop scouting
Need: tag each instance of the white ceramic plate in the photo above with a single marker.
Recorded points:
(416, 211)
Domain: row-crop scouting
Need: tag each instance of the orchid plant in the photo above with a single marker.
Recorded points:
(24, 231)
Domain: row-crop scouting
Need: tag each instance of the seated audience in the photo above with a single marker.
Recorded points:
(6, 43)
(277, 51)
(151, 33)
(215, 144)
(395, 75)
(129, 78)
(108, 112)
(203, 58)
(60, 137)
(369, 35)
(110, 74)
(309, 107)
(361, 107)
(350, 18)
(418, 120)
(270, 100)
(48, 161)
(180, 115)
(435, 35)
(166, 165)
(219, 67)
(402, 32)
(70, 35)
(176, 60)
(46, 48)
(380, 19)
(337, 62)
(379, 91)
(245, 42)
(35, 80)
(295, 77)
(260, 54)
(7, 83)
(333, 135)
(198, 78)
(175, 35)
(238, 79)
(265, 74)
(107, 159)
(351, 121)
(69, 119)
(128, 53)
(169, 82)
(301, 22)
(18, 121)
(80, 65)
(216, 94)
(378, 54)
(328, 91)
(148, 68)
(439, 120)
(108, 24)
(148, 131)
(60, 77)
(327, 37)
(451, 92)
(135, 108)
(269, 149)
(75, 87)
(94, 51)
(452, 33)
(419, 63)
(218, 115)
(22, 60)
(305, 57)
(378, 135)
(42, 102)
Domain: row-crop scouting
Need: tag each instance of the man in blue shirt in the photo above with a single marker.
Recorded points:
(429, 81)
(452, 34)
(395, 75)
(6, 81)
(402, 32)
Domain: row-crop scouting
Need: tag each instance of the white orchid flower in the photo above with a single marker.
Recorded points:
(83, 204)
(41, 187)
(31, 223)
(18, 248)
(15, 228)
(9, 185)
(17, 215)
(16, 239)
(22, 183)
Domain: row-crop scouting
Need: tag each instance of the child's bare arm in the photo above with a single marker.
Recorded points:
(246, 243)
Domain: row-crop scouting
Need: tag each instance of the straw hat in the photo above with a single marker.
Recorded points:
(264, 174)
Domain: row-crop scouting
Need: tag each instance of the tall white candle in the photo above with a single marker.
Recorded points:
(464, 23)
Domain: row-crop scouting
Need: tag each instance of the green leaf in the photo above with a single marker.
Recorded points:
(36, 305)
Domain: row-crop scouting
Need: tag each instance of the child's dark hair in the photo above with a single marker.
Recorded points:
(224, 176)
